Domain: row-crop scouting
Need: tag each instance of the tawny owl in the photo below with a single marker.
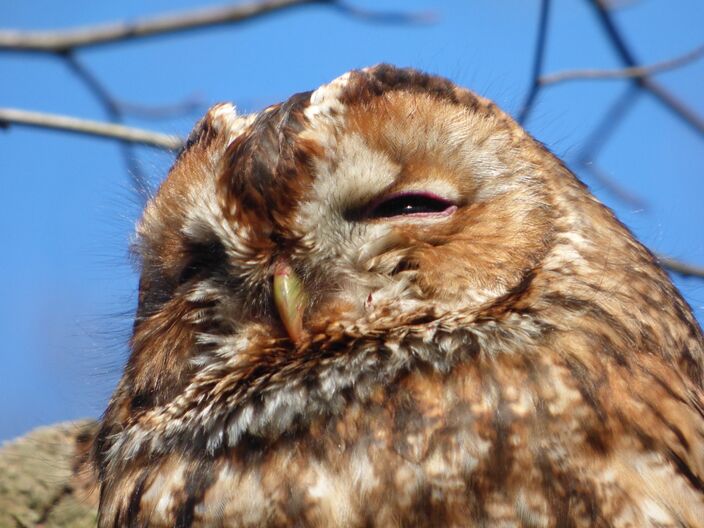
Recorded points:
(382, 303)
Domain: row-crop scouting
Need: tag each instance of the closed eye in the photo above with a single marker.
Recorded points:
(413, 204)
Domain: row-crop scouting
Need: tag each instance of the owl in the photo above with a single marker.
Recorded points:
(382, 303)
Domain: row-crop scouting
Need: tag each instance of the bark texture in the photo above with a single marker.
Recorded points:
(45, 479)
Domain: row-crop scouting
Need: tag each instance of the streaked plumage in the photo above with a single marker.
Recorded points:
(462, 335)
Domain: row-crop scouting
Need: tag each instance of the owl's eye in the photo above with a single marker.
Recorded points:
(410, 204)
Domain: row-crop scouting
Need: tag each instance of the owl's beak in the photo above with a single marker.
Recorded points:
(290, 299)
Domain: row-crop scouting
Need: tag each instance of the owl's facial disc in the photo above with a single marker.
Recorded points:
(290, 299)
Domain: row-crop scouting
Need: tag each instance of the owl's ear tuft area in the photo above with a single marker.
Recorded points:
(221, 120)
(267, 169)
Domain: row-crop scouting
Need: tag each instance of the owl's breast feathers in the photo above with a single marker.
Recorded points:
(505, 355)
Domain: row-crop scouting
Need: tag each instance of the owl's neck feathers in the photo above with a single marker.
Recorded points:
(254, 386)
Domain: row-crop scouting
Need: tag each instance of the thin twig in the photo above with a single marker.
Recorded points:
(623, 73)
(613, 187)
(538, 58)
(619, 4)
(14, 116)
(71, 39)
(386, 17)
(674, 104)
(602, 132)
(164, 111)
(681, 268)
(627, 58)
(114, 113)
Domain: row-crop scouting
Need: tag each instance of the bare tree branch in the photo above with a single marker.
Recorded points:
(619, 4)
(115, 114)
(613, 187)
(604, 130)
(627, 58)
(617, 112)
(14, 116)
(385, 17)
(681, 268)
(538, 57)
(65, 40)
(62, 41)
(188, 105)
(623, 73)
(117, 108)
(599, 136)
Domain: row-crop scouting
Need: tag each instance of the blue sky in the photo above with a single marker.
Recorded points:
(68, 209)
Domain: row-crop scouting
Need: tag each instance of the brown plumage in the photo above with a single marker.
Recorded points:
(382, 303)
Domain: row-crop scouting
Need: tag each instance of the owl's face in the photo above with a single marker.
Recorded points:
(284, 246)
(373, 196)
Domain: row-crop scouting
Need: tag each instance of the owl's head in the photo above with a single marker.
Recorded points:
(295, 258)
(384, 194)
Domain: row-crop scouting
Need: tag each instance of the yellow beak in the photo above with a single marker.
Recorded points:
(290, 299)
